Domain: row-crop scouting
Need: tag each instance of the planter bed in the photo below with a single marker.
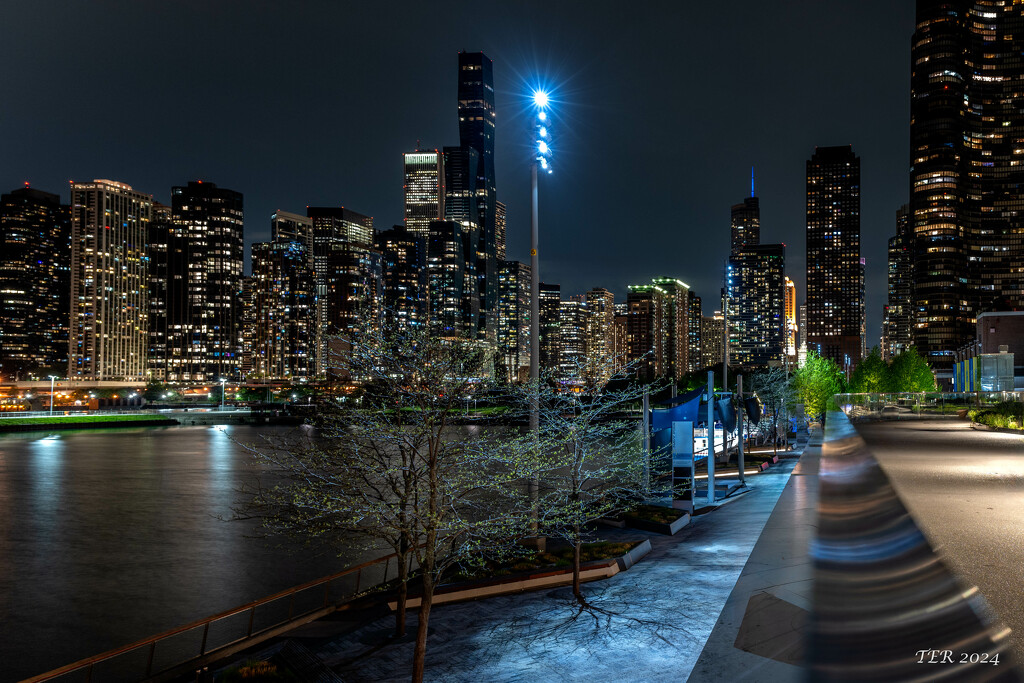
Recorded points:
(545, 578)
(657, 526)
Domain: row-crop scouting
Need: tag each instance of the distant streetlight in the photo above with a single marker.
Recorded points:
(222, 381)
(52, 378)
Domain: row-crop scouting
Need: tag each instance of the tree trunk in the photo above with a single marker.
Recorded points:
(576, 567)
(420, 653)
(403, 587)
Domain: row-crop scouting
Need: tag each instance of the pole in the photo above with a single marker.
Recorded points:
(534, 335)
(711, 437)
(647, 439)
(51, 394)
(742, 415)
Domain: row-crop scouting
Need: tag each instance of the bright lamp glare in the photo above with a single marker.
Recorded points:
(542, 116)
(543, 147)
(540, 98)
(543, 132)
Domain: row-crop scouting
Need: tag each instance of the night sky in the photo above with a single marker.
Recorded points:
(661, 110)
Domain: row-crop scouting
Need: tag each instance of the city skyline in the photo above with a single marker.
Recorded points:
(241, 137)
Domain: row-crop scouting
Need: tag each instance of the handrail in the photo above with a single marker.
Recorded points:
(152, 641)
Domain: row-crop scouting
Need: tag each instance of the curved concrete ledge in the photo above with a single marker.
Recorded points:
(881, 593)
(552, 579)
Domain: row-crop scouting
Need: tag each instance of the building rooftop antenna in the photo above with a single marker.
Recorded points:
(752, 181)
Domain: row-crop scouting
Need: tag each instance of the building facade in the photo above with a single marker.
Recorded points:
(423, 190)
(204, 348)
(966, 207)
(514, 320)
(35, 270)
(835, 270)
(898, 318)
(550, 327)
(404, 274)
(109, 310)
(284, 311)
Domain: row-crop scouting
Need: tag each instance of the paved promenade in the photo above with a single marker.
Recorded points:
(706, 602)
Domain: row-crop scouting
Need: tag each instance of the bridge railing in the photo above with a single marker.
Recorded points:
(175, 652)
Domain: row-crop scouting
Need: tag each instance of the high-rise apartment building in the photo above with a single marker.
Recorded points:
(550, 327)
(462, 205)
(35, 269)
(695, 354)
(109, 326)
(205, 347)
(966, 155)
(404, 273)
(286, 226)
(449, 280)
(789, 317)
(712, 338)
(168, 291)
(424, 190)
(514, 320)
(898, 321)
(600, 333)
(835, 270)
(345, 272)
(572, 343)
(657, 328)
(284, 310)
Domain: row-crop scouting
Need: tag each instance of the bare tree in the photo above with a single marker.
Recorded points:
(399, 469)
(774, 387)
(588, 454)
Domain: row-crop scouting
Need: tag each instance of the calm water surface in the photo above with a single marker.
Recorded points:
(110, 536)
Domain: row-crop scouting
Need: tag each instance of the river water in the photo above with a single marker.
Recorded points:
(110, 536)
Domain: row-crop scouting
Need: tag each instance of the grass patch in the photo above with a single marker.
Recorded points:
(79, 419)
(554, 559)
(659, 514)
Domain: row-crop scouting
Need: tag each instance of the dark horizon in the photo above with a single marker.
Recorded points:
(660, 115)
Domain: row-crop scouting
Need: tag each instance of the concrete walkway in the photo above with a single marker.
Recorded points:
(659, 621)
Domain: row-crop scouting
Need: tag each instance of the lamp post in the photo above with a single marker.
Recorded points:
(542, 151)
(52, 378)
(222, 382)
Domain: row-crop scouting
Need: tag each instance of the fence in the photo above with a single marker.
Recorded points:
(912, 405)
(174, 652)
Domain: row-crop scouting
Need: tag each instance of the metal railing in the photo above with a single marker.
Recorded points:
(193, 644)
(912, 405)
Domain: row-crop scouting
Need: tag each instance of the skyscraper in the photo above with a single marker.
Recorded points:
(476, 131)
(449, 280)
(168, 293)
(404, 272)
(550, 327)
(572, 342)
(754, 290)
(712, 338)
(462, 180)
(424, 190)
(601, 330)
(966, 207)
(789, 318)
(210, 218)
(657, 328)
(109, 336)
(695, 354)
(35, 262)
(344, 268)
(499, 230)
(514, 320)
(282, 290)
(897, 324)
(835, 270)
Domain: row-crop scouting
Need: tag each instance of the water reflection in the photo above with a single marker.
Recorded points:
(110, 536)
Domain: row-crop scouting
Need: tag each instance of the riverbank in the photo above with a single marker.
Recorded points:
(29, 424)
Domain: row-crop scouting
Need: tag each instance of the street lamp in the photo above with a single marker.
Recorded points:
(52, 378)
(222, 381)
(541, 156)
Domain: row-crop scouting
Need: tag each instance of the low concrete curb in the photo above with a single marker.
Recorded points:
(561, 577)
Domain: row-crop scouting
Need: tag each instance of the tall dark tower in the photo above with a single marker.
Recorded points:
(966, 207)
(35, 268)
(476, 131)
(210, 217)
(835, 272)
(746, 224)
